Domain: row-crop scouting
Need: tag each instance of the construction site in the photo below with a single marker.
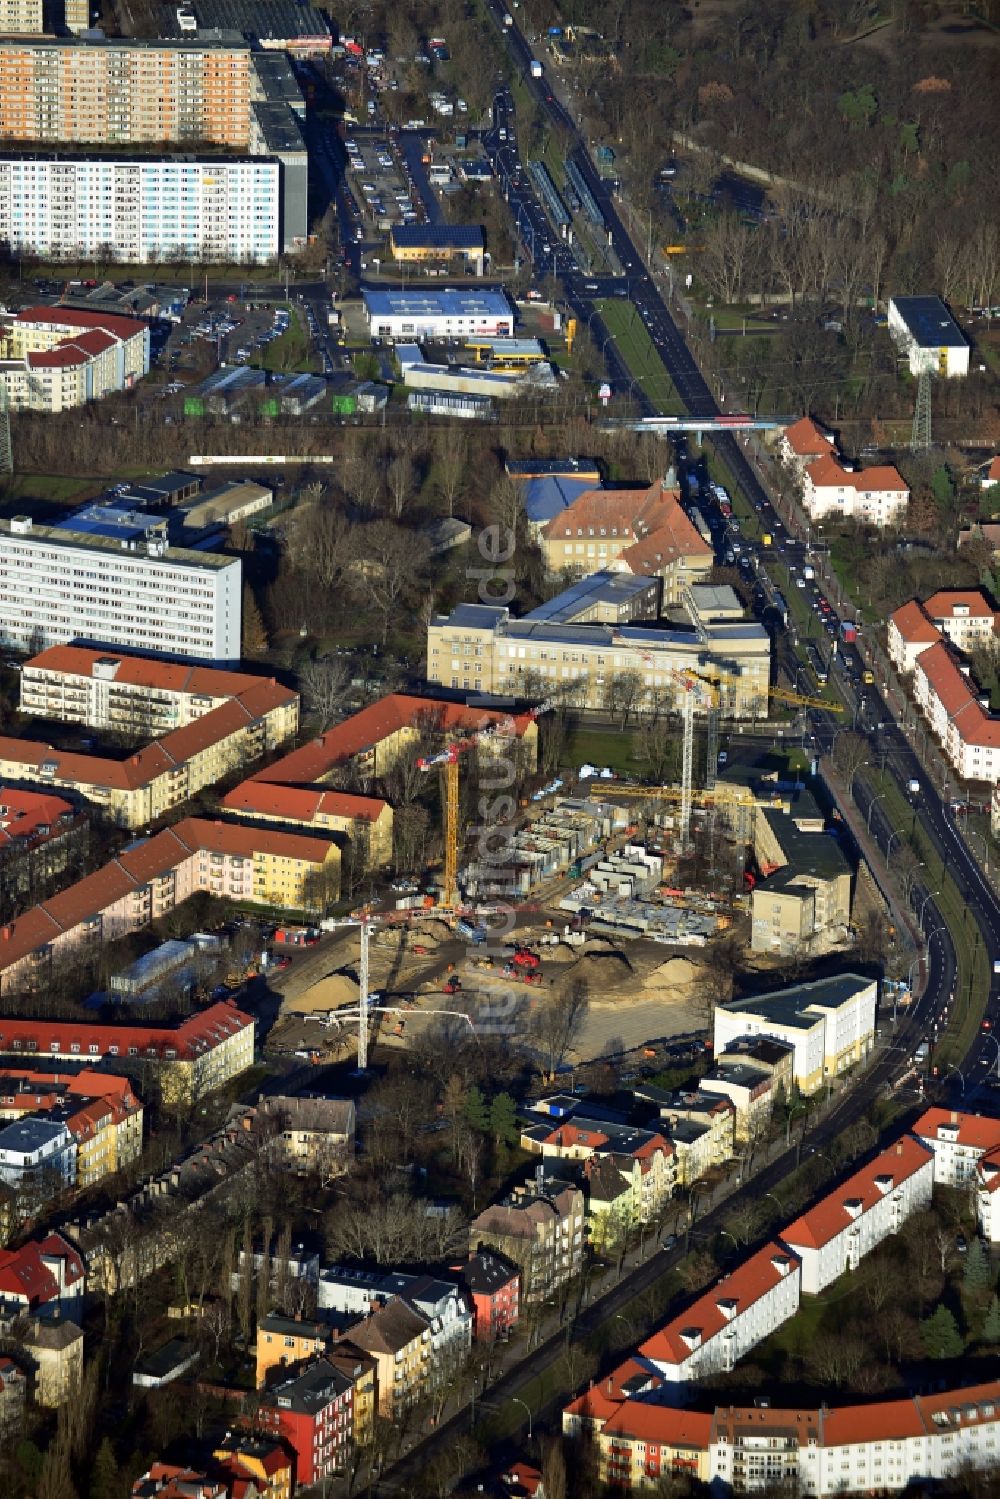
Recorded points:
(623, 890)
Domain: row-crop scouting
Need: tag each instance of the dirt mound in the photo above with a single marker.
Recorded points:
(671, 980)
(430, 934)
(602, 972)
(333, 992)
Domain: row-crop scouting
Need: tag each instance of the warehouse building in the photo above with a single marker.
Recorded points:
(926, 332)
(274, 25)
(409, 314)
(58, 585)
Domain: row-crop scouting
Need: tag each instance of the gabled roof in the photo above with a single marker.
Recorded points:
(828, 473)
(664, 1425)
(976, 1130)
(390, 1328)
(942, 605)
(301, 803)
(862, 1191)
(913, 623)
(730, 1297)
(143, 671)
(78, 317)
(806, 439)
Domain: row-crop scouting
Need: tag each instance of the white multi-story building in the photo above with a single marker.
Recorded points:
(964, 616)
(829, 1023)
(403, 313)
(958, 713)
(33, 1151)
(966, 1151)
(852, 1220)
(878, 496)
(58, 585)
(141, 208)
(737, 1313)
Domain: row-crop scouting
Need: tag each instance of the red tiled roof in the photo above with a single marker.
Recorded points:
(63, 356)
(301, 803)
(25, 812)
(993, 472)
(78, 317)
(364, 730)
(977, 1130)
(913, 624)
(830, 1217)
(232, 838)
(745, 1285)
(805, 438)
(941, 605)
(654, 518)
(828, 473)
(988, 1170)
(944, 675)
(192, 1036)
(661, 1424)
(143, 671)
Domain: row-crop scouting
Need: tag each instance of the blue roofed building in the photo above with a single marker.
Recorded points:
(926, 332)
(407, 313)
(414, 243)
(549, 495)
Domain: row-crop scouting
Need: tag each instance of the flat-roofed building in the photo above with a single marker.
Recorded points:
(416, 243)
(829, 1023)
(928, 335)
(58, 585)
(418, 314)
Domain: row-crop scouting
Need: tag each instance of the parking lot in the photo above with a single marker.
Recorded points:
(382, 183)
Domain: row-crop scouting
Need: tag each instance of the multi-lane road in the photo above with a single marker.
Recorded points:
(874, 716)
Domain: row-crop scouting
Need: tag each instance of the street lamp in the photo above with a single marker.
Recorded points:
(526, 1408)
(872, 803)
(781, 1210)
(990, 1037)
(929, 896)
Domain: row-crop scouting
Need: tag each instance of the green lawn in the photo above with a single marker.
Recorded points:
(636, 348)
(289, 353)
(602, 747)
(61, 489)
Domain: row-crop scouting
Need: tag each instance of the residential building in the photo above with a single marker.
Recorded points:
(362, 1370)
(910, 632)
(927, 334)
(492, 1284)
(21, 17)
(481, 648)
(733, 1316)
(311, 1411)
(40, 837)
(283, 1342)
(966, 1150)
(242, 1460)
(58, 585)
(54, 1346)
(877, 496)
(167, 1481)
(370, 742)
(37, 1157)
(147, 782)
(188, 1060)
(93, 1127)
(750, 1090)
(24, 1091)
(540, 1227)
(700, 1126)
(642, 1444)
(829, 1024)
(365, 820)
(963, 616)
(274, 25)
(147, 207)
(54, 359)
(265, 867)
(856, 1216)
(111, 690)
(958, 713)
(13, 1399)
(642, 531)
(411, 313)
(43, 1274)
(315, 1136)
(764, 1054)
(415, 244)
(803, 443)
(116, 90)
(398, 1338)
(442, 1305)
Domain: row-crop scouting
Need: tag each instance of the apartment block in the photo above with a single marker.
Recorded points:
(55, 358)
(111, 690)
(58, 585)
(737, 1313)
(312, 1411)
(21, 17)
(482, 648)
(853, 1219)
(142, 786)
(365, 820)
(540, 1227)
(146, 207)
(966, 1151)
(284, 871)
(959, 714)
(189, 1059)
(397, 1337)
(803, 443)
(101, 1112)
(829, 1024)
(878, 495)
(110, 91)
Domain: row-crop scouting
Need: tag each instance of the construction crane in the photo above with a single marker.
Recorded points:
(446, 761)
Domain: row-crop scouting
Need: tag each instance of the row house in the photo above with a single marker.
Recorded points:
(733, 1316)
(258, 866)
(365, 820)
(540, 1227)
(853, 1219)
(958, 713)
(700, 1126)
(492, 1284)
(966, 1150)
(964, 617)
(312, 1412)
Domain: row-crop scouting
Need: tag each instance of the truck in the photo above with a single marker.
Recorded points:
(912, 789)
(296, 936)
(848, 631)
(809, 573)
(508, 19)
(536, 68)
(471, 932)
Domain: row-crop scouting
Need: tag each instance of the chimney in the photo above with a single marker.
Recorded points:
(954, 1112)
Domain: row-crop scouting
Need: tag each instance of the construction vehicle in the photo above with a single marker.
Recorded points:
(525, 959)
(452, 985)
(522, 975)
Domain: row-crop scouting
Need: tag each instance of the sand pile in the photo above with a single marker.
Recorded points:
(333, 992)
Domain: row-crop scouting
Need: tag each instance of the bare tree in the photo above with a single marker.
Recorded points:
(451, 464)
(324, 682)
(850, 752)
(557, 1023)
(397, 559)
